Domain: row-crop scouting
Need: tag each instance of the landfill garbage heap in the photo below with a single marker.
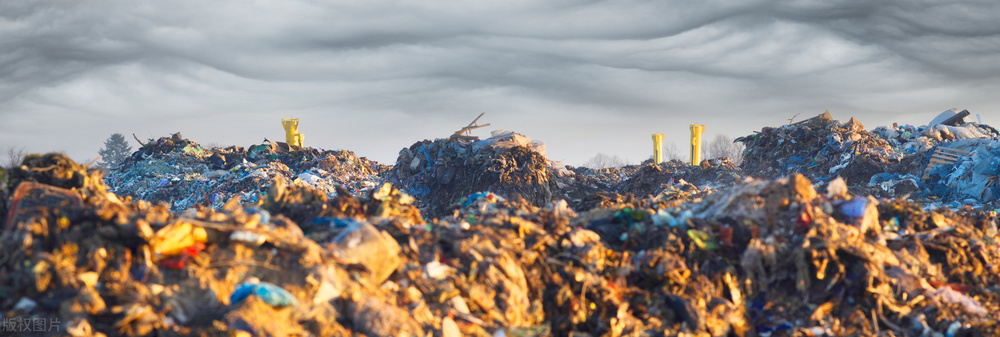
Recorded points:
(440, 172)
(762, 258)
(444, 172)
(673, 178)
(820, 148)
(885, 162)
(181, 173)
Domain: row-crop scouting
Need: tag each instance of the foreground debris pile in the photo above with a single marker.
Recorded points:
(761, 258)
(181, 173)
(815, 234)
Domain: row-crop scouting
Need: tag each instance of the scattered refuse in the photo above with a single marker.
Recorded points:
(181, 173)
(825, 229)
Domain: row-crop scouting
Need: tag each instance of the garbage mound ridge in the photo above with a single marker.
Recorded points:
(825, 229)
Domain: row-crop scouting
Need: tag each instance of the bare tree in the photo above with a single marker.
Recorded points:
(723, 146)
(601, 160)
(15, 155)
(670, 152)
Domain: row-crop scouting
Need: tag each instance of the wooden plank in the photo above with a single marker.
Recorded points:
(946, 160)
(954, 150)
(825, 117)
(137, 139)
(951, 159)
(938, 161)
(464, 137)
(947, 154)
(927, 171)
(470, 127)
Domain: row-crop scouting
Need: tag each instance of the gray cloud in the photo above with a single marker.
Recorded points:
(584, 76)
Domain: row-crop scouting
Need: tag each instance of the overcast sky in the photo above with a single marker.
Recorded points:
(582, 76)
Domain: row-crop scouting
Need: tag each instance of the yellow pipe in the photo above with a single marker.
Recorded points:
(657, 148)
(696, 131)
(292, 135)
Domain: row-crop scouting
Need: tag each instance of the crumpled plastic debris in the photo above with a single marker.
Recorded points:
(271, 294)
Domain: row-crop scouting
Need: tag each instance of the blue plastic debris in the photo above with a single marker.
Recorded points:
(271, 294)
(854, 208)
(882, 177)
(336, 223)
(265, 216)
(489, 196)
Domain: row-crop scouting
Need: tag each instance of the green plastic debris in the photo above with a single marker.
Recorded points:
(702, 240)
(194, 151)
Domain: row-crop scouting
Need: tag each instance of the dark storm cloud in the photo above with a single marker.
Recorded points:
(961, 38)
(181, 64)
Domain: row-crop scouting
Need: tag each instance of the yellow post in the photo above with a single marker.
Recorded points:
(696, 131)
(292, 135)
(657, 148)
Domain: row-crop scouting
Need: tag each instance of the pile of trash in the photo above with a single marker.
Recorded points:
(75, 254)
(181, 173)
(972, 177)
(949, 125)
(933, 161)
(821, 149)
(671, 176)
(585, 188)
(778, 258)
(438, 173)
(469, 237)
(762, 258)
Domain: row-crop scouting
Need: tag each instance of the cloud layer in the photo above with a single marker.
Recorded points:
(583, 76)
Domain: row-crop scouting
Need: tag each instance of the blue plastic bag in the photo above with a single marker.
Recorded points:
(271, 294)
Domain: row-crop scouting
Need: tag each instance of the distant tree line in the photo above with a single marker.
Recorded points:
(719, 147)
